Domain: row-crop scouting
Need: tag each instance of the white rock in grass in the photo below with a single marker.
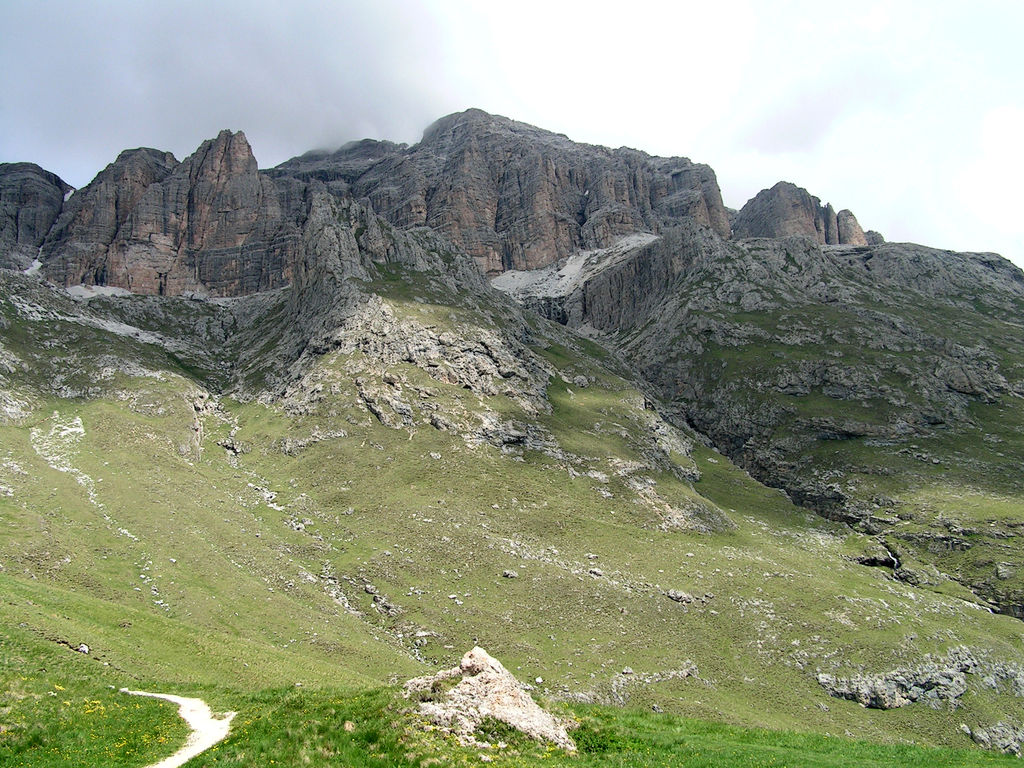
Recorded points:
(486, 689)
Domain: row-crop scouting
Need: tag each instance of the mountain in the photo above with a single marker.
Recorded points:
(339, 421)
(514, 196)
(878, 385)
(508, 194)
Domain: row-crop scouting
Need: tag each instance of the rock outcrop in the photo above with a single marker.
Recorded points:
(932, 682)
(30, 201)
(850, 232)
(1007, 738)
(786, 210)
(77, 248)
(459, 699)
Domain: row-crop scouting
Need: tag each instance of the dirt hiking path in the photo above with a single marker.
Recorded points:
(207, 730)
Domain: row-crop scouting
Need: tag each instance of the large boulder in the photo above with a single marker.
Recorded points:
(484, 689)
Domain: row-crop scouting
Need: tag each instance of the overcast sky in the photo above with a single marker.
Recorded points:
(909, 113)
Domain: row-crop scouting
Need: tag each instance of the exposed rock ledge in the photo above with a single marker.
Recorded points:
(931, 682)
(1003, 737)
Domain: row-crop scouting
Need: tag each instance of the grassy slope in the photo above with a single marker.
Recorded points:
(178, 556)
(67, 711)
(294, 728)
(962, 476)
(57, 709)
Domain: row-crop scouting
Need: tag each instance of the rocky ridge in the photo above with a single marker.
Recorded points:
(511, 195)
(211, 224)
(514, 196)
(776, 348)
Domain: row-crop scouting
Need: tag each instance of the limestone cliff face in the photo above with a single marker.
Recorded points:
(850, 232)
(76, 248)
(514, 196)
(786, 210)
(30, 201)
(210, 224)
(510, 195)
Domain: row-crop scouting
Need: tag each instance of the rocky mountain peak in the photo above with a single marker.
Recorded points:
(225, 156)
(13, 173)
(149, 224)
(850, 232)
(369, 149)
(141, 157)
(515, 196)
(471, 120)
(786, 210)
(475, 124)
(75, 250)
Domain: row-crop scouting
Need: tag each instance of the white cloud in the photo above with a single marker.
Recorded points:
(989, 184)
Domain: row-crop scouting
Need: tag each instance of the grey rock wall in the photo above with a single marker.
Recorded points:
(210, 224)
(515, 196)
(786, 210)
(30, 201)
(511, 195)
